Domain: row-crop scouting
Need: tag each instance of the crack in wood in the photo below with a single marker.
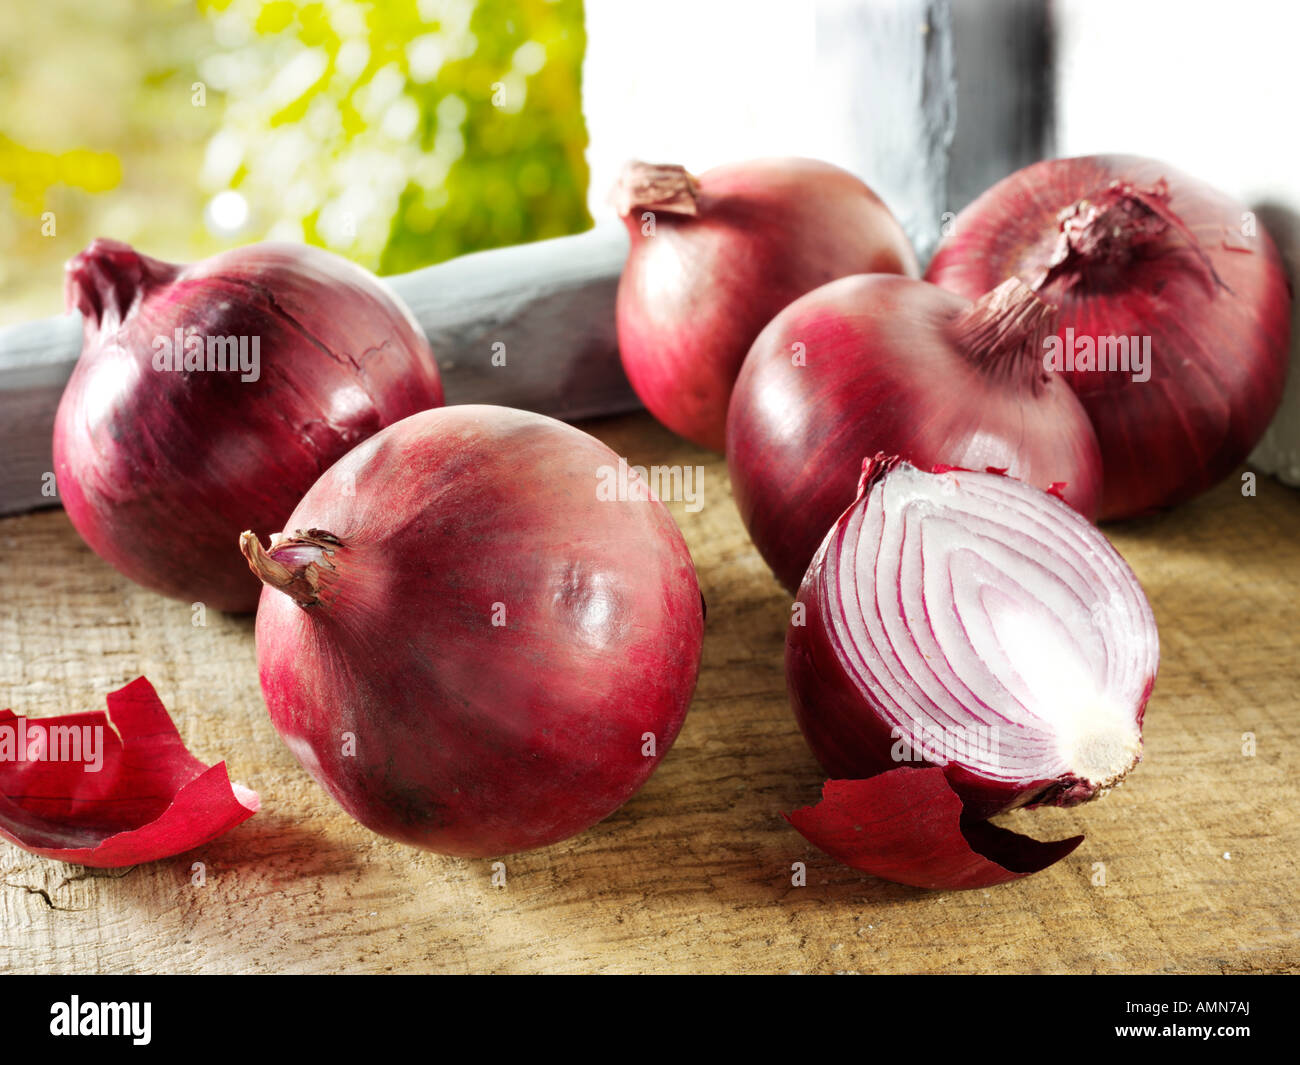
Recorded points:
(44, 895)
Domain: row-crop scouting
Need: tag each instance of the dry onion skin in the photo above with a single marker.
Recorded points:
(112, 790)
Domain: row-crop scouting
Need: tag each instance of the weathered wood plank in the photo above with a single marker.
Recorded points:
(1199, 847)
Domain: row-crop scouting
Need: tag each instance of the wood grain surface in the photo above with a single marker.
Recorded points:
(1192, 866)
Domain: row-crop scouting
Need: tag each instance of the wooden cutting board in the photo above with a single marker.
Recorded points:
(1193, 865)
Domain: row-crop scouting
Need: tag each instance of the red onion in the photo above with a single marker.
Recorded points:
(963, 644)
(210, 397)
(970, 622)
(867, 364)
(713, 259)
(1130, 248)
(472, 652)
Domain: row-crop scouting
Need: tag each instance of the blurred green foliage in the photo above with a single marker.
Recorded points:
(97, 137)
(523, 173)
(395, 132)
(33, 173)
(433, 127)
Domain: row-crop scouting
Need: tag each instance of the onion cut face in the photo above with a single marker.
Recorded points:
(970, 622)
(1135, 253)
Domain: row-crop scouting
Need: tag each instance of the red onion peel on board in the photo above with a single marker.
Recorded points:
(130, 793)
(971, 624)
(906, 826)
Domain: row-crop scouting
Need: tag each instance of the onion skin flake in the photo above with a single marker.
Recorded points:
(906, 826)
(140, 797)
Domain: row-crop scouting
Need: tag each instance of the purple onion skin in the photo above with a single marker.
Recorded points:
(1218, 352)
(159, 471)
(473, 738)
(694, 295)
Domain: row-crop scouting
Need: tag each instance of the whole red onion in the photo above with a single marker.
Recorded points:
(882, 363)
(1131, 248)
(163, 456)
(713, 259)
(963, 644)
(466, 644)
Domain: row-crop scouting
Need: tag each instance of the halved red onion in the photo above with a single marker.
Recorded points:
(972, 622)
